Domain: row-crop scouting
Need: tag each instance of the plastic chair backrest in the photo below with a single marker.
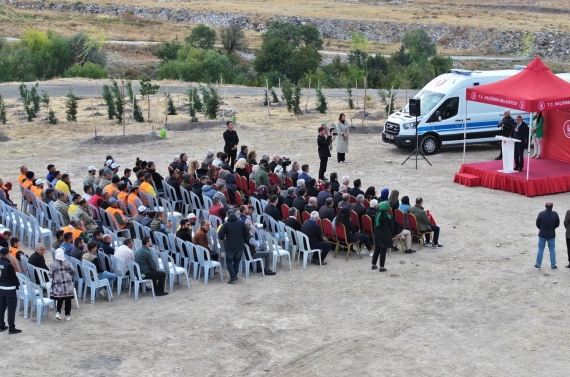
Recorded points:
(215, 221)
(196, 203)
(162, 240)
(291, 235)
(138, 229)
(239, 201)
(118, 268)
(207, 203)
(76, 264)
(252, 186)
(134, 270)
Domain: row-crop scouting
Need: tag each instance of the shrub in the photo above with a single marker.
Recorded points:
(321, 101)
(108, 98)
(71, 105)
(2, 110)
(212, 103)
(88, 70)
(170, 105)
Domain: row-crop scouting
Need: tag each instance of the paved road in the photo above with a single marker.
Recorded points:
(87, 88)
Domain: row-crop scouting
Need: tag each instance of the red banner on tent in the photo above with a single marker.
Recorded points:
(534, 89)
(556, 142)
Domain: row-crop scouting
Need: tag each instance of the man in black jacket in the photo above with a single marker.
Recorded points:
(156, 177)
(519, 132)
(546, 222)
(272, 210)
(359, 207)
(292, 221)
(327, 211)
(355, 191)
(506, 126)
(288, 200)
(9, 285)
(324, 140)
(231, 141)
(173, 181)
(235, 234)
(197, 187)
(313, 231)
(300, 201)
(338, 196)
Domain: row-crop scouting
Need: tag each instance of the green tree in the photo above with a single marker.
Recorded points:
(388, 99)
(202, 37)
(108, 98)
(212, 103)
(170, 105)
(274, 98)
(88, 48)
(46, 102)
(440, 64)
(274, 56)
(2, 110)
(233, 38)
(418, 42)
(297, 100)
(349, 97)
(194, 103)
(359, 42)
(137, 111)
(148, 88)
(118, 101)
(168, 50)
(71, 105)
(311, 36)
(304, 59)
(287, 89)
(321, 101)
(31, 101)
(286, 31)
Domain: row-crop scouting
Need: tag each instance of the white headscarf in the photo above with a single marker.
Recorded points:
(60, 255)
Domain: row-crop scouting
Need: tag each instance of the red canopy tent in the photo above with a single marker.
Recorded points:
(534, 89)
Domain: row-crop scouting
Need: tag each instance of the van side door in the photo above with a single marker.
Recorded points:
(447, 119)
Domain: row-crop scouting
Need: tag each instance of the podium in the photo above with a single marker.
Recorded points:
(508, 148)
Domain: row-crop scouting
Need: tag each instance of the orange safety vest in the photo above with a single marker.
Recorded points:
(148, 188)
(36, 190)
(21, 179)
(68, 228)
(123, 196)
(14, 259)
(112, 211)
(110, 189)
(27, 184)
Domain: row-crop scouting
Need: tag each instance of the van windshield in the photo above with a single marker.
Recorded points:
(428, 100)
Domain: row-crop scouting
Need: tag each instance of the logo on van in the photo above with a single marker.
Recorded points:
(566, 129)
(541, 106)
(473, 96)
(522, 105)
(440, 82)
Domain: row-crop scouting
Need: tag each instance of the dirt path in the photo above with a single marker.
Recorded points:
(472, 308)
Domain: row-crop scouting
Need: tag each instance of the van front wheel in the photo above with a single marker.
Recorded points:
(429, 145)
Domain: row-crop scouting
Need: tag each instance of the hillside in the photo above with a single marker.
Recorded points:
(467, 27)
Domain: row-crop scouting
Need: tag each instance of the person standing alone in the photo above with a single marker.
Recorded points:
(235, 234)
(342, 129)
(231, 140)
(9, 285)
(323, 142)
(546, 222)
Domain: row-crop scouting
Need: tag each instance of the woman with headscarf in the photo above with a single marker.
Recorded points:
(262, 193)
(370, 193)
(394, 200)
(61, 277)
(352, 235)
(383, 229)
(174, 164)
(231, 180)
(240, 168)
(383, 195)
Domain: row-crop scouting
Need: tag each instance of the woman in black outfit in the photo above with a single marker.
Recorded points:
(352, 235)
(383, 229)
(334, 183)
(370, 193)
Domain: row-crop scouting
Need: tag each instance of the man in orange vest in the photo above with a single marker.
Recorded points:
(30, 177)
(38, 188)
(118, 217)
(22, 177)
(77, 229)
(147, 186)
(133, 200)
(15, 254)
(123, 193)
(113, 186)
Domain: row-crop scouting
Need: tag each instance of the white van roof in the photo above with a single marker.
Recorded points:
(444, 83)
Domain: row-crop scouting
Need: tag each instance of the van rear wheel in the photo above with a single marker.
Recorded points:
(429, 145)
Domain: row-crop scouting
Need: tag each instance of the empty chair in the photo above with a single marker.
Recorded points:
(207, 203)
(23, 293)
(305, 248)
(119, 270)
(277, 252)
(135, 273)
(207, 264)
(188, 257)
(215, 221)
(162, 241)
(39, 303)
(24, 261)
(173, 271)
(93, 282)
(78, 277)
(247, 260)
(186, 204)
(38, 233)
(291, 245)
(174, 248)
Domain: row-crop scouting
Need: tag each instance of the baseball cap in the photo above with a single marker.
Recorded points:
(113, 201)
(191, 216)
(4, 251)
(91, 168)
(39, 182)
(8, 185)
(300, 182)
(108, 171)
(142, 208)
(135, 186)
(109, 162)
(114, 166)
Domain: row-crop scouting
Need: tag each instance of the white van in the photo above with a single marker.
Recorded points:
(443, 111)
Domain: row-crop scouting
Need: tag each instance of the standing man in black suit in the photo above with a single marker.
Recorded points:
(324, 141)
(519, 132)
(231, 140)
(506, 126)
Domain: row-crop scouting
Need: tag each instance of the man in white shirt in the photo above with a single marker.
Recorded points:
(125, 253)
(88, 192)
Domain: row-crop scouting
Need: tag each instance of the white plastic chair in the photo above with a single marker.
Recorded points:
(40, 277)
(291, 242)
(23, 294)
(207, 264)
(247, 260)
(170, 193)
(215, 221)
(161, 240)
(135, 273)
(277, 252)
(173, 270)
(78, 276)
(139, 232)
(39, 303)
(188, 258)
(196, 204)
(93, 282)
(186, 203)
(174, 248)
(305, 248)
(114, 225)
(118, 269)
(24, 261)
(37, 233)
(207, 203)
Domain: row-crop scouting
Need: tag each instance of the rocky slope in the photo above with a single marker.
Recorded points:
(476, 40)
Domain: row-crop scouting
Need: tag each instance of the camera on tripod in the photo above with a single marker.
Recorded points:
(284, 162)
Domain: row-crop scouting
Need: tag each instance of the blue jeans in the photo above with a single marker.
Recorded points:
(109, 276)
(232, 263)
(551, 247)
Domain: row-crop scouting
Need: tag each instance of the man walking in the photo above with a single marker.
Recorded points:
(236, 234)
(324, 141)
(231, 140)
(9, 285)
(546, 222)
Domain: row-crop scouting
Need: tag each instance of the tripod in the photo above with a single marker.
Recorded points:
(417, 151)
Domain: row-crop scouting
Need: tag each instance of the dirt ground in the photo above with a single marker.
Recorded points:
(476, 307)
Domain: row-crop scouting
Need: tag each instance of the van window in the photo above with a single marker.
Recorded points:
(449, 108)
(428, 99)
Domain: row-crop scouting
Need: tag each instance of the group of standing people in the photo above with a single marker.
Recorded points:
(340, 132)
(519, 130)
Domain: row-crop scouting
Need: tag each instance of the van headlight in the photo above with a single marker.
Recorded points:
(409, 126)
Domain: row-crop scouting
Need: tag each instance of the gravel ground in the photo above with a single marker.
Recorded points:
(472, 308)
